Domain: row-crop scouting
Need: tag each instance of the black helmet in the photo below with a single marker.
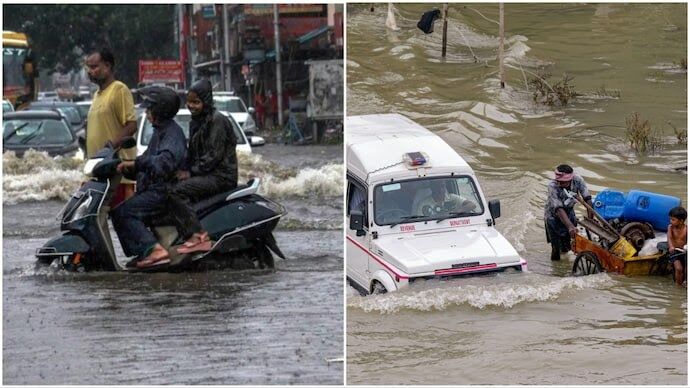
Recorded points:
(163, 101)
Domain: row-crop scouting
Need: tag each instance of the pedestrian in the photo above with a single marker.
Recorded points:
(155, 170)
(211, 166)
(677, 235)
(271, 103)
(260, 108)
(559, 213)
(111, 117)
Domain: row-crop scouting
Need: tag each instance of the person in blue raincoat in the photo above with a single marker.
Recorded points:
(155, 170)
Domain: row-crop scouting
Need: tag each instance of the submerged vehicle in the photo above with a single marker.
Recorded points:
(415, 209)
(240, 222)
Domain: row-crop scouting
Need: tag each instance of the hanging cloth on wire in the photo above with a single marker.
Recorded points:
(426, 23)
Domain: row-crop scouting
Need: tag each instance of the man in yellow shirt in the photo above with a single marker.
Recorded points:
(111, 117)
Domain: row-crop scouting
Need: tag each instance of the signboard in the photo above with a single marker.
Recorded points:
(161, 71)
(325, 89)
(284, 9)
(208, 11)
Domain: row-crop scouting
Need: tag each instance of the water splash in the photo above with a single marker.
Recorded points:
(478, 296)
(39, 177)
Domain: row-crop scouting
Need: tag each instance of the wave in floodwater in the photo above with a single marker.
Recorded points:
(39, 177)
(479, 296)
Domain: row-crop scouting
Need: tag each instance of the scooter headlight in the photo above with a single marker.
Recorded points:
(82, 209)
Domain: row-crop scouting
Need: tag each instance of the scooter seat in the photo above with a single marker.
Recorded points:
(202, 205)
(199, 207)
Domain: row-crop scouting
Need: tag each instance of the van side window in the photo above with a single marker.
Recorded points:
(356, 199)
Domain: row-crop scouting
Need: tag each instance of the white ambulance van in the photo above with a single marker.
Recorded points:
(415, 209)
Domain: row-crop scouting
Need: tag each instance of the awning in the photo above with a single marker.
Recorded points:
(306, 38)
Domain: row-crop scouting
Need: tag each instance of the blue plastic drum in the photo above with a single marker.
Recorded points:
(609, 204)
(649, 207)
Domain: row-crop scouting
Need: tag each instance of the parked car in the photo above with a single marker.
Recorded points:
(69, 109)
(48, 96)
(235, 106)
(40, 130)
(183, 118)
(415, 209)
(7, 106)
(83, 107)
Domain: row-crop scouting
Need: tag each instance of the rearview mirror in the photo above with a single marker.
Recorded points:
(251, 110)
(357, 221)
(495, 208)
(256, 141)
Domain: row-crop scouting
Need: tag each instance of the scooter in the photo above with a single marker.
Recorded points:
(240, 222)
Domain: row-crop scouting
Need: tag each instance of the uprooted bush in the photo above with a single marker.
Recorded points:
(681, 134)
(640, 135)
(547, 93)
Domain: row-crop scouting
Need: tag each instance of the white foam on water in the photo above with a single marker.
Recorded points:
(478, 296)
(39, 177)
(324, 182)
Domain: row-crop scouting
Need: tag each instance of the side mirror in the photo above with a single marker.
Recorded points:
(256, 141)
(495, 208)
(357, 221)
(128, 142)
(251, 110)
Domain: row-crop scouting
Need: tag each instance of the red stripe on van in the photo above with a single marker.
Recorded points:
(380, 260)
(452, 271)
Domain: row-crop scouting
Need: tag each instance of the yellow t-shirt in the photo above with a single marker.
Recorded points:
(110, 110)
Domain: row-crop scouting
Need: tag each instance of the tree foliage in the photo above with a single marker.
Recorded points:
(61, 34)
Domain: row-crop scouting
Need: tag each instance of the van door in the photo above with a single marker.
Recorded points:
(357, 247)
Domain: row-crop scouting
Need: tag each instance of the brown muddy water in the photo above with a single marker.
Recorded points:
(545, 326)
(216, 327)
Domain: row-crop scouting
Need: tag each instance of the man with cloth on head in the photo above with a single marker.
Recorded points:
(559, 215)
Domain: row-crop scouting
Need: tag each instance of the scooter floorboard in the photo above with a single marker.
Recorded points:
(177, 261)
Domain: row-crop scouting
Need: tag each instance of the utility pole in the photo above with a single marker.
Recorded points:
(445, 29)
(501, 34)
(221, 58)
(279, 81)
(227, 81)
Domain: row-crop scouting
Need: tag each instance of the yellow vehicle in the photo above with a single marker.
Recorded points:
(19, 71)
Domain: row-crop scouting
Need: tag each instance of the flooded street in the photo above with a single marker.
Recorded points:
(545, 326)
(216, 327)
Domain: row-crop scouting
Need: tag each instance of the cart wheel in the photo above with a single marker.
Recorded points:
(586, 263)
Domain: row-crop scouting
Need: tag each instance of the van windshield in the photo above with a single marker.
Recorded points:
(426, 199)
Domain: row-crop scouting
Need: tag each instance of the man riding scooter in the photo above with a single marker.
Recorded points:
(155, 170)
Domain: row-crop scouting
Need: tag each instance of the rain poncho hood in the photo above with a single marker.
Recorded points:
(211, 139)
(204, 90)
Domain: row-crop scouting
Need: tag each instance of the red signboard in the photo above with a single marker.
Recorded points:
(160, 71)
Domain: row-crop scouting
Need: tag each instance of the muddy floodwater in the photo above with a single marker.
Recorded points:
(216, 327)
(544, 326)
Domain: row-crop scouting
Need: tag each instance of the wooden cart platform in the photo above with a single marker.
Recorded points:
(592, 258)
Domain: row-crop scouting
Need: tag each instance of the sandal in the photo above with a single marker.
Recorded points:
(158, 256)
(197, 238)
(199, 247)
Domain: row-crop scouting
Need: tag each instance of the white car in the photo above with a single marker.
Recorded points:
(415, 209)
(234, 105)
(145, 131)
(7, 106)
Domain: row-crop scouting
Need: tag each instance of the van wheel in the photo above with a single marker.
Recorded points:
(586, 263)
(377, 288)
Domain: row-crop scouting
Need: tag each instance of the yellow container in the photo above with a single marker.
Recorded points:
(623, 249)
